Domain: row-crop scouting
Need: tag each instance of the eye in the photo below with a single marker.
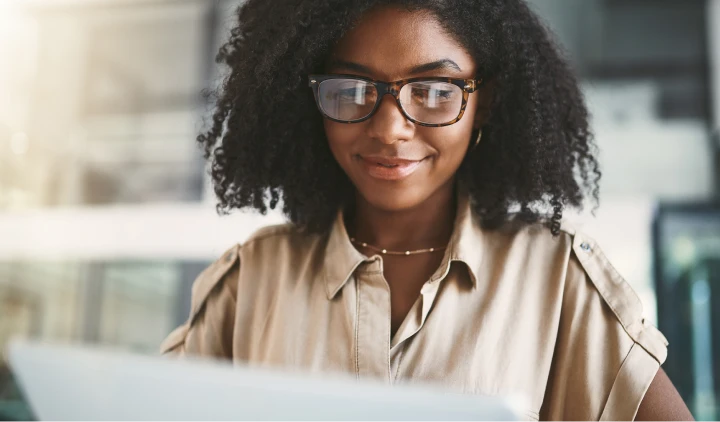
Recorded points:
(430, 94)
(443, 94)
(357, 95)
(347, 93)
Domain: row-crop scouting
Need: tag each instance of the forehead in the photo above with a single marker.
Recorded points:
(390, 41)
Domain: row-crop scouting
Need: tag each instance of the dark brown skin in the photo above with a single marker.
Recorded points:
(418, 212)
(662, 402)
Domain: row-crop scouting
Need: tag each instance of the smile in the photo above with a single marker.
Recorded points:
(389, 168)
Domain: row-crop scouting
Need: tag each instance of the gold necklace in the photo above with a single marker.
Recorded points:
(387, 252)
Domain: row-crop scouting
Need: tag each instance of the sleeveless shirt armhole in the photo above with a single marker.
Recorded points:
(204, 284)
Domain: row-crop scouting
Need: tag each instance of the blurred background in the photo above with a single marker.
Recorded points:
(107, 215)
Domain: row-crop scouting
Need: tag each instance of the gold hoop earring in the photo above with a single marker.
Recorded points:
(477, 141)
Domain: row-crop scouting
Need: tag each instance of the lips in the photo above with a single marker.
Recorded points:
(389, 168)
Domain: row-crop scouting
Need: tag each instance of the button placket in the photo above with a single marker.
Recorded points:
(373, 331)
(427, 298)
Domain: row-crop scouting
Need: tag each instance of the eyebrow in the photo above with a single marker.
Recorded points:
(443, 64)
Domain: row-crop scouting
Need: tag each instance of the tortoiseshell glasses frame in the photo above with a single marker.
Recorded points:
(383, 88)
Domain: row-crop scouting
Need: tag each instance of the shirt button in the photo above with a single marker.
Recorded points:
(585, 246)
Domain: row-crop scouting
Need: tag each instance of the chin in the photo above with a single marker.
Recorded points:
(393, 198)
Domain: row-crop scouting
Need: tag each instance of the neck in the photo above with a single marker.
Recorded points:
(427, 225)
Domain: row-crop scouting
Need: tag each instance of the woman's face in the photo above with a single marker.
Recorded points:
(389, 44)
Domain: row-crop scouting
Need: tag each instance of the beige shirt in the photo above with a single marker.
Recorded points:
(513, 311)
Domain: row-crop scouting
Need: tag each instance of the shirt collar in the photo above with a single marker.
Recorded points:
(467, 238)
(342, 259)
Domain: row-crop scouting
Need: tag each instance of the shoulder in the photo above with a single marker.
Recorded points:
(269, 244)
(287, 234)
(518, 242)
(224, 271)
(592, 287)
(215, 290)
(269, 247)
(211, 306)
(274, 232)
(605, 347)
(216, 274)
(591, 274)
(282, 245)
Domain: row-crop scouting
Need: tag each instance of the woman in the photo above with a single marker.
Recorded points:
(417, 148)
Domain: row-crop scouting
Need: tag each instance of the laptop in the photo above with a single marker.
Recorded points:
(81, 383)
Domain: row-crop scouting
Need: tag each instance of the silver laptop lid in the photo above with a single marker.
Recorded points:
(62, 382)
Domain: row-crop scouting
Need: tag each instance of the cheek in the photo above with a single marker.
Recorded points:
(451, 143)
(341, 137)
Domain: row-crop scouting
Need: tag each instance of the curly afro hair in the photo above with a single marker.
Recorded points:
(266, 142)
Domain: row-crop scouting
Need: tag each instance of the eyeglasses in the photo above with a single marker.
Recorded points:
(430, 102)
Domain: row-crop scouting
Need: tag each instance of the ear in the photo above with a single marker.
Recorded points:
(485, 95)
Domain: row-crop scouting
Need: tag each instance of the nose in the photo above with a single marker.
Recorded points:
(389, 125)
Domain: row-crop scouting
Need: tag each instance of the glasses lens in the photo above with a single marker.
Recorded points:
(431, 102)
(347, 99)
